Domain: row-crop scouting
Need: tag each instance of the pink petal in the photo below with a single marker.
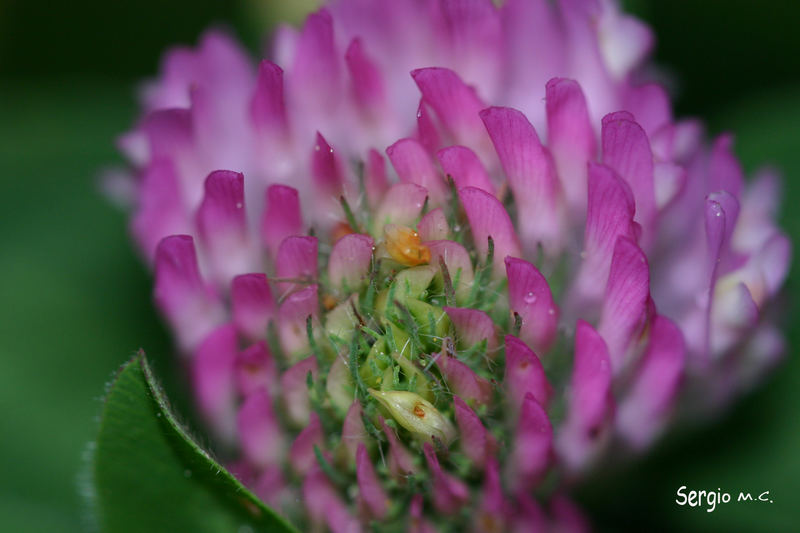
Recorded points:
(326, 172)
(294, 390)
(493, 504)
(296, 262)
(160, 211)
(301, 453)
(213, 369)
(456, 105)
(401, 463)
(256, 370)
(324, 505)
(413, 165)
(168, 132)
(418, 523)
(282, 216)
(626, 149)
(448, 493)
(570, 137)
(458, 264)
(366, 80)
(650, 104)
(292, 317)
(472, 326)
(191, 307)
(488, 218)
(222, 225)
(375, 181)
(433, 226)
(370, 490)
(567, 517)
(267, 108)
(350, 260)
(531, 174)
(524, 374)
(591, 402)
(463, 381)
(655, 386)
(402, 204)
(253, 305)
(625, 304)
(533, 444)
(529, 296)
(476, 442)
(353, 432)
(609, 216)
(725, 172)
(461, 163)
(259, 430)
(427, 134)
(314, 79)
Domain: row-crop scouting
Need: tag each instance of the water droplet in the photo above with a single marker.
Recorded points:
(551, 311)
(245, 528)
(316, 147)
(238, 205)
(187, 473)
(530, 298)
(158, 415)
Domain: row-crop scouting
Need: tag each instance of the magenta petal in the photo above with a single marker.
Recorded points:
(222, 225)
(463, 381)
(650, 104)
(456, 105)
(475, 441)
(725, 172)
(493, 503)
(458, 264)
(448, 493)
(488, 218)
(626, 149)
(350, 260)
(213, 370)
(427, 134)
(413, 165)
(168, 132)
(282, 216)
(367, 83)
(270, 486)
(533, 444)
(353, 432)
(609, 216)
(370, 491)
(655, 386)
(418, 523)
(626, 300)
(160, 211)
(472, 326)
(267, 107)
(324, 505)
(315, 78)
(253, 305)
(531, 174)
(524, 373)
(433, 226)
(529, 296)
(292, 316)
(259, 430)
(570, 137)
(326, 172)
(591, 401)
(461, 164)
(256, 369)
(375, 181)
(301, 453)
(294, 390)
(190, 306)
(401, 463)
(296, 262)
(402, 205)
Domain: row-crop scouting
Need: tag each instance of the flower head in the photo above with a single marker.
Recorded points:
(440, 250)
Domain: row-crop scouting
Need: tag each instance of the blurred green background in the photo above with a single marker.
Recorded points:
(76, 300)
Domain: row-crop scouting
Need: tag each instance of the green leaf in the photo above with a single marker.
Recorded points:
(150, 475)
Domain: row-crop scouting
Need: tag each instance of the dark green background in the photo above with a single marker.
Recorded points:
(76, 300)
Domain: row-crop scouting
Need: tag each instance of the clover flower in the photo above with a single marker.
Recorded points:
(439, 257)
